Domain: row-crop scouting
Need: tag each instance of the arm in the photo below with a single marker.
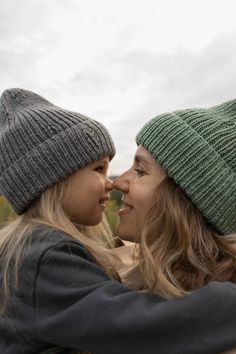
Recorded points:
(78, 306)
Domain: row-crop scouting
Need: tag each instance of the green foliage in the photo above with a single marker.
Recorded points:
(6, 212)
(111, 212)
(116, 195)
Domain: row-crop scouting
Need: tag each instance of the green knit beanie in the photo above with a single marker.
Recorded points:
(197, 148)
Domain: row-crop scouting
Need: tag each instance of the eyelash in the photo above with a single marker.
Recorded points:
(139, 172)
(99, 168)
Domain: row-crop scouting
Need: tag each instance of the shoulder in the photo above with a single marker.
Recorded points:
(46, 240)
(54, 257)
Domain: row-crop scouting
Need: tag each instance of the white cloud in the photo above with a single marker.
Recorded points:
(121, 62)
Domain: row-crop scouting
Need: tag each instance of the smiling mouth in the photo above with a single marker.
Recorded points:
(125, 209)
(103, 201)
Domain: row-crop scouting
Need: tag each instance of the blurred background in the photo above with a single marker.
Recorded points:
(120, 61)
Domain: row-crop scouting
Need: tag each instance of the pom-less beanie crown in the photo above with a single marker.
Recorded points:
(40, 144)
(197, 147)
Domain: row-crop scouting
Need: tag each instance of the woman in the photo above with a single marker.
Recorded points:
(179, 201)
(56, 287)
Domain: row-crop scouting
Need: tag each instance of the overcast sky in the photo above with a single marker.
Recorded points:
(120, 61)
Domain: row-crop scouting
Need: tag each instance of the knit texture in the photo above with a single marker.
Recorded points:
(40, 144)
(197, 148)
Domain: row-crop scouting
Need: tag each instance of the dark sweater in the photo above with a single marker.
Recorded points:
(66, 300)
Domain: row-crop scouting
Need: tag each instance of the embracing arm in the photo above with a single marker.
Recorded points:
(78, 306)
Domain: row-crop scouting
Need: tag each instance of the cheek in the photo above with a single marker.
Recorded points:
(141, 196)
(96, 186)
(143, 202)
(85, 210)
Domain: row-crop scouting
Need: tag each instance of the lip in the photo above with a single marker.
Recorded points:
(126, 202)
(102, 201)
(102, 206)
(126, 208)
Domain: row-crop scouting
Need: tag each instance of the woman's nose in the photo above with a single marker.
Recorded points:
(121, 183)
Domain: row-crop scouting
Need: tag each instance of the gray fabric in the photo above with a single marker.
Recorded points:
(66, 300)
(40, 144)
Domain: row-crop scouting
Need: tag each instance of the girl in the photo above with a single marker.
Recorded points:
(55, 263)
(180, 201)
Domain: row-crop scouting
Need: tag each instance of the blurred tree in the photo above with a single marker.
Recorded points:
(6, 212)
(112, 207)
(116, 195)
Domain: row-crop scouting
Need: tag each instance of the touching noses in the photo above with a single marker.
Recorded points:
(121, 183)
(109, 184)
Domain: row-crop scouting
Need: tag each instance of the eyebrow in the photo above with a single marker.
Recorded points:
(139, 158)
(103, 161)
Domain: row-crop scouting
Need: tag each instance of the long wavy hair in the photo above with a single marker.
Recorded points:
(179, 250)
(47, 210)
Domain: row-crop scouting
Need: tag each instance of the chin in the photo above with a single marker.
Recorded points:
(93, 222)
(124, 233)
(88, 222)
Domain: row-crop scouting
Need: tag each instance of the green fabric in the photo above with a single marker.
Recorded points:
(197, 147)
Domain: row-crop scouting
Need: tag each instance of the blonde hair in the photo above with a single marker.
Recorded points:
(179, 251)
(47, 210)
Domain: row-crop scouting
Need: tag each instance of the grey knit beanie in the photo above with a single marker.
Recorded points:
(40, 144)
(197, 147)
